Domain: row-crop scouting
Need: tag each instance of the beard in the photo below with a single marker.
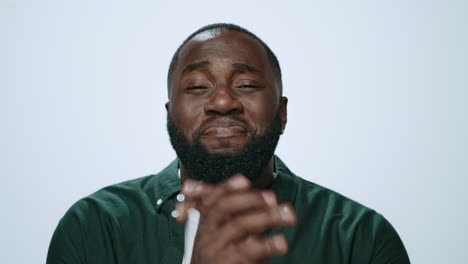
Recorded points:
(214, 168)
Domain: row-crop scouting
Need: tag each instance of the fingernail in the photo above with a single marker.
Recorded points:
(269, 198)
(238, 182)
(198, 187)
(286, 214)
(188, 186)
(280, 243)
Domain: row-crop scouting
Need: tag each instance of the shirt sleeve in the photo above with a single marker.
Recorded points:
(389, 248)
(85, 234)
(67, 245)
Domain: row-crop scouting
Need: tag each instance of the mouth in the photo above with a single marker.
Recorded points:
(224, 129)
(230, 131)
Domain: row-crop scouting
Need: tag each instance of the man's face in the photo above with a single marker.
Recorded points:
(224, 94)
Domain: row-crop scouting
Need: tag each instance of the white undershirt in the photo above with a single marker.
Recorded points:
(191, 227)
(190, 231)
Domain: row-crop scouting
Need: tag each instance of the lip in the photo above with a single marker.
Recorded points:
(230, 131)
(224, 128)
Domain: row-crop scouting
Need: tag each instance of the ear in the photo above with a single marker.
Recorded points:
(283, 112)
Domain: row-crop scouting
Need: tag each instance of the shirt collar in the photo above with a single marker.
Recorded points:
(285, 184)
(168, 184)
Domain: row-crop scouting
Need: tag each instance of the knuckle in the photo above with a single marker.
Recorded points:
(238, 226)
(255, 249)
(220, 203)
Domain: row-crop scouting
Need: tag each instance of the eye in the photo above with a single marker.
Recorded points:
(248, 86)
(197, 87)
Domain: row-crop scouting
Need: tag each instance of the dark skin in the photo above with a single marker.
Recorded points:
(224, 89)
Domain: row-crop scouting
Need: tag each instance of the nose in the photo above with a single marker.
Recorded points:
(223, 102)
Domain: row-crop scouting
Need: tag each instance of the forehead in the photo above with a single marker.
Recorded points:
(234, 46)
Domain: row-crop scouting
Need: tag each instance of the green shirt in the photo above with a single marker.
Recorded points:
(131, 222)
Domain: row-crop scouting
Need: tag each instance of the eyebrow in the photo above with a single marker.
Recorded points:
(245, 68)
(194, 66)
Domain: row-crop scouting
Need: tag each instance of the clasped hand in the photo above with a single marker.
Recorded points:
(233, 220)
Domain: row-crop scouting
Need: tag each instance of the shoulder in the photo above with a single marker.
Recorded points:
(315, 201)
(112, 220)
(117, 198)
(319, 195)
(311, 198)
(108, 207)
(361, 230)
(128, 198)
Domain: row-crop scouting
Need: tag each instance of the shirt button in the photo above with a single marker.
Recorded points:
(180, 197)
(159, 202)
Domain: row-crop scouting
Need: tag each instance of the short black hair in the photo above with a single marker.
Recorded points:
(227, 27)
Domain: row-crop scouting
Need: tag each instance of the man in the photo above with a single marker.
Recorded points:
(227, 198)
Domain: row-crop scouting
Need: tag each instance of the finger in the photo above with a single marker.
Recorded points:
(235, 183)
(201, 196)
(260, 248)
(238, 203)
(194, 189)
(181, 210)
(191, 191)
(206, 195)
(256, 223)
(261, 221)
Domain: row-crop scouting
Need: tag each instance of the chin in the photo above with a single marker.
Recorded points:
(224, 151)
(225, 146)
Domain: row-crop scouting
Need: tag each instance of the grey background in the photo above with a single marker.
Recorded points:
(377, 106)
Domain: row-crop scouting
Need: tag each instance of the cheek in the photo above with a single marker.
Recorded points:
(186, 115)
(261, 112)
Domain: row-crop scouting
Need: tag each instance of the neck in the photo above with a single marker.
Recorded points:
(262, 182)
